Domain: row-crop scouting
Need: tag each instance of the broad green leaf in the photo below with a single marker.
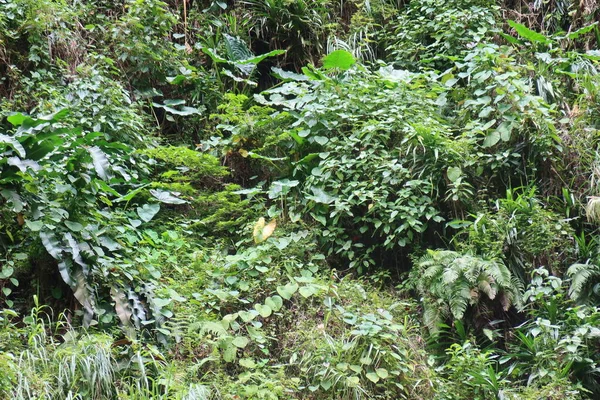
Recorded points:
(287, 291)
(352, 381)
(248, 316)
(528, 34)
(7, 272)
(257, 59)
(339, 59)
(372, 376)
(582, 31)
(240, 341)
(247, 363)
(308, 290)
(454, 173)
(382, 373)
(166, 197)
(129, 195)
(288, 76)
(148, 211)
(51, 244)
(14, 143)
(491, 139)
(275, 302)
(14, 198)
(320, 196)
(34, 226)
(74, 226)
(264, 310)
(101, 164)
(23, 165)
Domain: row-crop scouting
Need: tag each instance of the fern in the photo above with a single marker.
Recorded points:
(451, 282)
(583, 279)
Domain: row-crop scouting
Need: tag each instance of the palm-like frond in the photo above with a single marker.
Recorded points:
(583, 277)
(461, 280)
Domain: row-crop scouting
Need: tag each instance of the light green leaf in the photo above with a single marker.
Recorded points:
(288, 290)
(454, 173)
(275, 302)
(372, 376)
(248, 316)
(382, 373)
(264, 310)
(339, 59)
(34, 226)
(528, 34)
(166, 197)
(240, 341)
(101, 164)
(148, 211)
(74, 226)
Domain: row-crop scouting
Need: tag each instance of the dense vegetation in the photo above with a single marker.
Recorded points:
(308, 199)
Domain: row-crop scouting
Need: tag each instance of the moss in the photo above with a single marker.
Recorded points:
(222, 212)
(191, 163)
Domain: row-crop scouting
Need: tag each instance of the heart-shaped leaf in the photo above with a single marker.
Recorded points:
(264, 310)
(148, 211)
(288, 290)
(275, 302)
(248, 316)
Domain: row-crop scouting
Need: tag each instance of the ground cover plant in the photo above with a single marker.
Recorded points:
(299, 199)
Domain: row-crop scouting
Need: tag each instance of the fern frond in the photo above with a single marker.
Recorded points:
(582, 277)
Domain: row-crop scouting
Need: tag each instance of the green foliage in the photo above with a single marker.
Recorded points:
(429, 33)
(203, 267)
(523, 233)
(451, 283)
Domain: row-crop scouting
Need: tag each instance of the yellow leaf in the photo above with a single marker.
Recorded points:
(261, 231)
(269, 229)
(258, 229)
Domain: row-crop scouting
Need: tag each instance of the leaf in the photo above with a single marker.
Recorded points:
(261, 231)
(166, 197)
(527, 33)
(128, 196)
(491, 139)
(257, 59)
(288, 290)
(14, 143)
(148, 211)
(339, 59)
(320, 196)
(82, 294)
(14, 198)
(7, 272)
(74, 226)
(51, 244)
(287, 76)
(372, 376)
(101, 164)
(275, 302)
(307, 291)
(248, 316)
(240, 341)
(123, 310)
(183, 110)
(382, 373)
(236, 48)
(23, 164)
(34, 226)
(264, 310)
(581, 31)
(247, 363)
(454, 173)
